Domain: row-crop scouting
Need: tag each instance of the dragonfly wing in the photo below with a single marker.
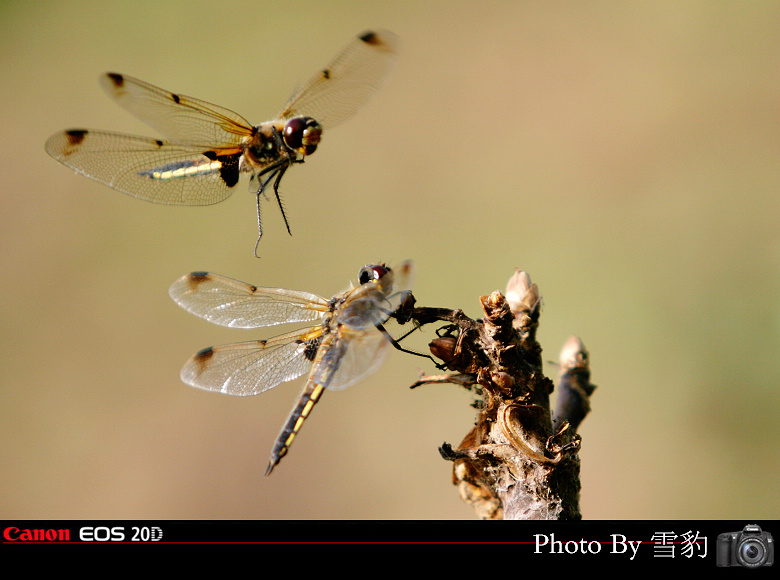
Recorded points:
(148, 169)
(342, 88)
(397, 287)
(181, 119)
(348, 358)
(228, 302)
(250, 368)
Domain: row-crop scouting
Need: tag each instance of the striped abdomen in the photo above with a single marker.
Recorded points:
(300, 412)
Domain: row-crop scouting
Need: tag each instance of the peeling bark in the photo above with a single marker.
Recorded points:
(517, 462)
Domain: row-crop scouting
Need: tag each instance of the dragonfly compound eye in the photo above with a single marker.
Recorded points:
(302, 134)
(369, 273)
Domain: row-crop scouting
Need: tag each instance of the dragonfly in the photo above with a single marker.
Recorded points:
(207, 147)
(349, 342)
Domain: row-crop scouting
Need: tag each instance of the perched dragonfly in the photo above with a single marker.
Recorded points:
(348, 344)
(207, 147)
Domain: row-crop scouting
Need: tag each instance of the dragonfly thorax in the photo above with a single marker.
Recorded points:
(266, 147)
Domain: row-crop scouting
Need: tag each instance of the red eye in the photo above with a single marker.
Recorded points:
(369, 273)
(302, 134)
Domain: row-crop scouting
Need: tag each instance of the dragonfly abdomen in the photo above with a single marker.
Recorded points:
(226, 165)
(182, 169)
(300, 412)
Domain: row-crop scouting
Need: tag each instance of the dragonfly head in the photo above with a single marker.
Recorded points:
(372, 273)
(302, 134)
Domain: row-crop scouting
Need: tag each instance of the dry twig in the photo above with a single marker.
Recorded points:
(517, 462)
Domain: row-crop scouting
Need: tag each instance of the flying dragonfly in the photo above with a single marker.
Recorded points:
(349, 342)
(207, 147)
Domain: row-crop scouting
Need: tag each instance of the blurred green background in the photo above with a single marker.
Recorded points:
(625, 154)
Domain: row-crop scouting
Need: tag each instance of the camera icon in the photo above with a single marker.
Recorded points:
(750, 548)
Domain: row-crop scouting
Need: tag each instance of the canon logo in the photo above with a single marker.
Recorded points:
(13, 534)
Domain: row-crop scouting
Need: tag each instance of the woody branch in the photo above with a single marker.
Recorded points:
(518, 461)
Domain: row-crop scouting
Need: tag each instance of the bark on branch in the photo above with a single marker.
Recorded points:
(518, 462)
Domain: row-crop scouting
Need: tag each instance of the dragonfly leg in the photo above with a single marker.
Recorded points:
(276, 170)
(279, 175)
(259, 224)
(396, 344)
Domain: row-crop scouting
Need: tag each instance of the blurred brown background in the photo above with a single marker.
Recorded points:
(625, 154)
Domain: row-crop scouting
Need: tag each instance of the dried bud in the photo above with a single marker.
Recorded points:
(444, 348)
(494, 305)
(522, 295)
(574, 387)
(516, 288)
(504, 381)
(573, 355)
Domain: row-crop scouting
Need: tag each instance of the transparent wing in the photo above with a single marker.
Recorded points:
(148, 169)
(183, 120)
(250, 368)
(395, 288)
(350, 358)
(338, 91)
(228, 302)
